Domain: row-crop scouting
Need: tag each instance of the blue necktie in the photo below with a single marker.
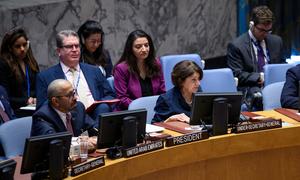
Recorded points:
(260, 57)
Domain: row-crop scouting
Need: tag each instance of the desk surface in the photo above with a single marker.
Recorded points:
(267, 154)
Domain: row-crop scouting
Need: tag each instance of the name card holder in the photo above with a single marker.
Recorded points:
(87, 166)
(187, 138)
(267, 123)
(143, 148)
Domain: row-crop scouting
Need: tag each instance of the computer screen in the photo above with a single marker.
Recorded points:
(111, 127)
(7, 169)
(202, 107)
(39, 154)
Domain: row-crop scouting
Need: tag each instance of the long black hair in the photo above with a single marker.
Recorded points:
(6, 54)
(100, 56)
(152, 68)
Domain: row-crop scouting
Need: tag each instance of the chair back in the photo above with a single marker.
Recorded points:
(168, 63)
(111, 83)
(275, 73)
(218, 80)
(148, 103)
(271, 95)
(13, 135)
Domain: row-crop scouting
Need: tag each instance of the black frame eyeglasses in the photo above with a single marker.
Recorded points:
(69, 95)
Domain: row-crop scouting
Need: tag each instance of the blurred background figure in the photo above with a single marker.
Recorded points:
(6, 112)
(138, 73)
(18, 69)
(91, 38)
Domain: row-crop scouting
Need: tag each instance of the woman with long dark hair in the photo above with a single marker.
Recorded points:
(18, 69)
(91, 38)
(138, 73)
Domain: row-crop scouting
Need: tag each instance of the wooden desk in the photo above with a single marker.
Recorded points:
(269, 154)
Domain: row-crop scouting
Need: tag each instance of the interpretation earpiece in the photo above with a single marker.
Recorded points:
(82, 39)
(251, 24)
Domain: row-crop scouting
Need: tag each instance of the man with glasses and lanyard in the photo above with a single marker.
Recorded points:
(87, 80)
(247, 55)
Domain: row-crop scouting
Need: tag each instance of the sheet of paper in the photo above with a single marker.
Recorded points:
(152, 128)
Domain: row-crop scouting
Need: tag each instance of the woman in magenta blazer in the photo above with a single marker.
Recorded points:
(138, 73)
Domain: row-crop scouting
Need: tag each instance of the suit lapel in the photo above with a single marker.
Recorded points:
(58, 72)
(250, 51)
(57, 120)
(89, 77)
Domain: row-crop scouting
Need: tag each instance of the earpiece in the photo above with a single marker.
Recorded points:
(82, 39)
(251, 24)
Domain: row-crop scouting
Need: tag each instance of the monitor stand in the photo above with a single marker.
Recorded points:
(220, 116)
(56, 163)
(129, 133)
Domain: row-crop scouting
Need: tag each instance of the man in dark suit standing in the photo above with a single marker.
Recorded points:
(247, 54)
(62, 112)
(87, 80)
(6, 112)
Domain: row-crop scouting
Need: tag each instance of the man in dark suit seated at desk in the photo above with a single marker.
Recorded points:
(87, 80)
(290, 91)
(6, 112)
(62, 112)
(247, 54)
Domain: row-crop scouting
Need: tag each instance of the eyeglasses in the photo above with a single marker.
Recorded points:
(269, 31)
(69, 95)
(71, 46)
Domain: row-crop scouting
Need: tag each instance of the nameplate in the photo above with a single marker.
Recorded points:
(259, 125)
(140, 149)
(187, 138)
(87, 166)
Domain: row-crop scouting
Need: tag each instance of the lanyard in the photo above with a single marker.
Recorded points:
(28, 80)
(77, 82)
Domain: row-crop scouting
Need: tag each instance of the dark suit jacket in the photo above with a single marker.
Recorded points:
(290, 91)
(96, 81)
(241, 58)
(46, 121)
(17, 91)
(169, 104)
(4, 99)
(128, 87)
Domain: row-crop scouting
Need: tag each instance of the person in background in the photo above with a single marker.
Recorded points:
(175, 104)
(62, 112)
(89, 83)
(18, 69)
(91, 38)
(290, 92)
(247, 55)
(138, 73)
(6, 112)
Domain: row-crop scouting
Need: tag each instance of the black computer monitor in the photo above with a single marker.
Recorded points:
(203, 106)
(46, 155)
(7, 169)
(112, 127)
